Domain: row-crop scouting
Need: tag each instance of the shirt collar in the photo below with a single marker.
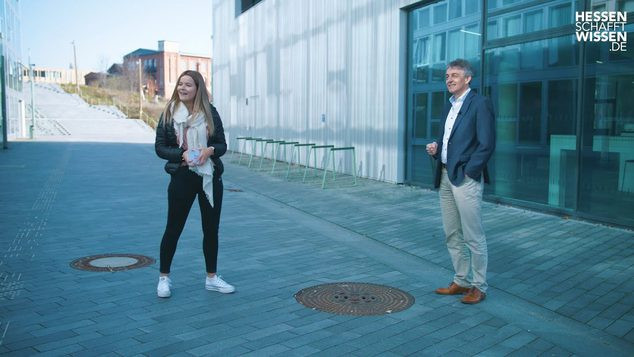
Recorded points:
(460, 99)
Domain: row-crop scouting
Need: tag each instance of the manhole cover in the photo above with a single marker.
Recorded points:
(355, 298)
(111, 262)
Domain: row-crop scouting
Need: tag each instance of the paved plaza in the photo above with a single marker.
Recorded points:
(558, 287)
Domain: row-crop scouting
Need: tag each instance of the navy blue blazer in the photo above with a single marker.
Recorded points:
(472, 140)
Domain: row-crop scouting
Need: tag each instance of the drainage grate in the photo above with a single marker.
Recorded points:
(355, 299)
(111, 262)
(234, 190)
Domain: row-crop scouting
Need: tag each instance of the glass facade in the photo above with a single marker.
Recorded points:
(12, 68)
(438, 31)
(564, 121)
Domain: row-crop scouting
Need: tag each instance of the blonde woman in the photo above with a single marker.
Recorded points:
(191, 138)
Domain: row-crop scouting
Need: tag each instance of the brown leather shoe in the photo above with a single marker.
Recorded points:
(474, 296)
(453, 289)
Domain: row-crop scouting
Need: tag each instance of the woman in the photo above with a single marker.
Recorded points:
(191, 138)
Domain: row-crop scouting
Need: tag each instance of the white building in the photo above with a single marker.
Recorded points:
(53, 75)
(371, 74)
(325, 72)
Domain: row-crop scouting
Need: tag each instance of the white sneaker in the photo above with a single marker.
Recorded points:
(217, 284)
(163, 288)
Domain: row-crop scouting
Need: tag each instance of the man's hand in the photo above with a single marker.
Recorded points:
(431, 148)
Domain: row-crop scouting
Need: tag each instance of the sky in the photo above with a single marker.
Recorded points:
(106, 30)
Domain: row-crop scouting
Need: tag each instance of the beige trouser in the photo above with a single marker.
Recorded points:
(462, 221)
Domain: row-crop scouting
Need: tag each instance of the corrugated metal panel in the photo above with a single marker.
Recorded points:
(322, 71)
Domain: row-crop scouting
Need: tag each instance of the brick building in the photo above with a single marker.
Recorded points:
(161, 68)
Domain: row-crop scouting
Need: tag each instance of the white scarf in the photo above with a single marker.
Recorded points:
(196, 128)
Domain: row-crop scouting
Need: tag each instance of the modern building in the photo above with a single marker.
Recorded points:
(370, 74)
(53, 75)
(160, 69)
(13, 108)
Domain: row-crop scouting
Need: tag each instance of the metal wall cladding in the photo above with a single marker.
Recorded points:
(316, 71)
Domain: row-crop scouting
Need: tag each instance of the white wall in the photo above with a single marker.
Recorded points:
(294, 61)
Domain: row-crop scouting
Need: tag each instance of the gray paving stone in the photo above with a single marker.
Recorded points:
(301, 351)
(455, 353)
(176, 347)
(442, 347)
(261, 333)
(218, 346)
(341, 350)
(497, 350)
(298, 235)
(53, 345)
(380, 347)
(269, 340)
(62, 327)
(143, 348)
(620, 328)
(315, 326)
(30, 341)
(269, 351)
(525, 352)
(630, 336)
(334, 340)
(28, 351)
(615, 311)
(234, 351)
(63, 351)
(587, 315)
(519, 340)
(496, 322)
(449, 331)
(306, 339)
(414, 346)
(473, 334)
(556, 352)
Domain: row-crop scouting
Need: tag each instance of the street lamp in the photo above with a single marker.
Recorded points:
(76, 75)
(140, 89)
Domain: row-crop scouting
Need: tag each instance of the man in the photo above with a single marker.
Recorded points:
(465, 144)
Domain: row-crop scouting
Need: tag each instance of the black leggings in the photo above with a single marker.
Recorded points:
(183, 188)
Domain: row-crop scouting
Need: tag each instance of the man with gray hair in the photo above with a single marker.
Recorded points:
(465, 145)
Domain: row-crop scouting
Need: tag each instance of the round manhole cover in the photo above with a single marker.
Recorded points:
(111, 262)
(355, 298)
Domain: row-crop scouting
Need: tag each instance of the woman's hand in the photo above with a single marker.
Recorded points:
(205, 154)
(191, 157)
(186, 158)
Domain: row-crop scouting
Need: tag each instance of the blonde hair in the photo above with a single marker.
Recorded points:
(201, 101)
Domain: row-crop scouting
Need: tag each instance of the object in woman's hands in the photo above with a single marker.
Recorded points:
(193, 156)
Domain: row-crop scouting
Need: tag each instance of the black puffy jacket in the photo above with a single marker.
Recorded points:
(166, 145)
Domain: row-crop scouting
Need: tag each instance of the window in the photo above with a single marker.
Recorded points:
(439, 47)
(471, 7)
(440, 14)
(244, 5)
(560, 15)
(420, 115)
(512, 26)
(423, 19)
(455, 9)
(455, 48)
(492, 30)
(533, 21)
